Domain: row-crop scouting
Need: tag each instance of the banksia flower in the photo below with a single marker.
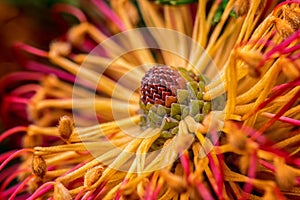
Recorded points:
(159, 100)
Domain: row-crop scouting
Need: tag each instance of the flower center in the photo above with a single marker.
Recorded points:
(168, 95)
(159, 86)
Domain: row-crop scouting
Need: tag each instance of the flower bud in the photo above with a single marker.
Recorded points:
(61, 192)
(65, 127)
(39, 166)
(92, 176)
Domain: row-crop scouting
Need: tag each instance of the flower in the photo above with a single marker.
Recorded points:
(245, 149)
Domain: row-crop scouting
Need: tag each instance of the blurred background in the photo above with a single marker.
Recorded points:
(29, 21)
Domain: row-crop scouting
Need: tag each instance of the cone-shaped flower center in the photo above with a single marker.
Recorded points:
(168, 95)
(159, 86)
